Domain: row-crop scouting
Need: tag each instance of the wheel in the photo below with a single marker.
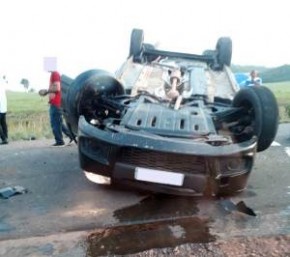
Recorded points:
(260, 115)
(224, 51)
(71, 99)
(84, 89)
(136, 44)
(93, 93)
(270, 117)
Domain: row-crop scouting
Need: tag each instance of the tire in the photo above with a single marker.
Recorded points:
(270, 117)
(85, 88)
(72, 98)
(92, 93)
(261, 110)
(136, 44)
(224, 51)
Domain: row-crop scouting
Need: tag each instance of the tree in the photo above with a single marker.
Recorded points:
(25, 83)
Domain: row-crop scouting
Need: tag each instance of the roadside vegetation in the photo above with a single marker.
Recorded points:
(268, 75)
(28, 118)
(282, 92)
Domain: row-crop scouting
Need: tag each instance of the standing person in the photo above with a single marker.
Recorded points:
(254, 79)
(55, 113)
(3, 111)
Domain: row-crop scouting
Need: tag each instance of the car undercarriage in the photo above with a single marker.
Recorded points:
(170, 122)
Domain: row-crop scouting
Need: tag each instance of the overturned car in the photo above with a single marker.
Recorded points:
(170, 122)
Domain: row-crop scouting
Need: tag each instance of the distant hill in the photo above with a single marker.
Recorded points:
(278, 74)
(268, 75)
(247, 68)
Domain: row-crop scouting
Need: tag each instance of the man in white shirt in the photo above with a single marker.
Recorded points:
(3, 111)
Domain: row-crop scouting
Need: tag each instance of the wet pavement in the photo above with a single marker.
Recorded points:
(162, 221)
(154, 222)
(60, 200)
(129, 239)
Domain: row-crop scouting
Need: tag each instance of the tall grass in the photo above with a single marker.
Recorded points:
(282, 92)
(27, 116)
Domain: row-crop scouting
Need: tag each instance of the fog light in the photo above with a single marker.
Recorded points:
(98, 179)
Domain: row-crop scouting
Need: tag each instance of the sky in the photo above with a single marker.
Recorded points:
(92, 34)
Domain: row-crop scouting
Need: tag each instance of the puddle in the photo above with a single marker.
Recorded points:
(158, 221)
(130, 239)
(162, 221)
(158, 207)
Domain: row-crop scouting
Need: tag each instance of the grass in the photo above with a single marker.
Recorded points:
(281, 91)
(28, 118)
(26, 103)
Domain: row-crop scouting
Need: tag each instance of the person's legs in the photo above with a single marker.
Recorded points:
(3, 128)
(56, 123)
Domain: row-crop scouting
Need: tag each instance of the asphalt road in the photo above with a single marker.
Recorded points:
(61, 201)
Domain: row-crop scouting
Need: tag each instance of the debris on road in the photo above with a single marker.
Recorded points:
(7, 192)
(241, 207)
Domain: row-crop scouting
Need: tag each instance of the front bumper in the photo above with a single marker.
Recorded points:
(199, 166)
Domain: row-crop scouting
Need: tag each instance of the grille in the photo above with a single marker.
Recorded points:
(163, 161)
